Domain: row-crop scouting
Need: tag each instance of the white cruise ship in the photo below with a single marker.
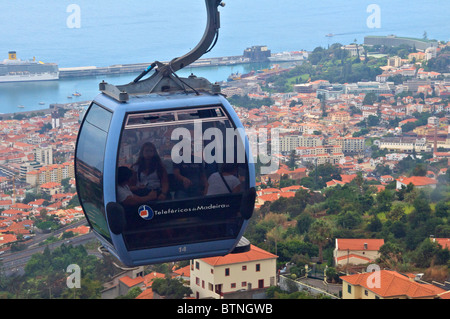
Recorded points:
(16, 70)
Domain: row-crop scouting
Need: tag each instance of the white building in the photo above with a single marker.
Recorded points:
(217, 277)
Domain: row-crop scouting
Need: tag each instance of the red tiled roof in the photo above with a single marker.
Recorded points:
(130, 282)
(146, 294)
(254, 254)
(418, 180)
(392, 284)
(185, 271)
(358, 244)
(269, 197)
(444, 242)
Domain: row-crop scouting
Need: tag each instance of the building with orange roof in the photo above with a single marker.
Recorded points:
(387, 284)
(51, 188)
(81, 230)
(260, 200)
(183, 273)
(356, 251)
(417, 181)
(217, 277)
(146, 294)
(5, 204)
(7, 239)
(444, 242)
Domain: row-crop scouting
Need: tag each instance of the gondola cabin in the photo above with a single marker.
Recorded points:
(164, 176)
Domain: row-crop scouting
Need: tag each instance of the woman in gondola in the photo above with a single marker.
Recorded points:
(150, 173)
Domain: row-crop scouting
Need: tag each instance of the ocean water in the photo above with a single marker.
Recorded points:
(102, 33)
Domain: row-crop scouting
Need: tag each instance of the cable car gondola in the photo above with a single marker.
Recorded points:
(163, 167)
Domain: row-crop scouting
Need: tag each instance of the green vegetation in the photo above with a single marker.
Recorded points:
(46, 277)
(249, 103)
(333, 64)
(305, 226)
(170, 288)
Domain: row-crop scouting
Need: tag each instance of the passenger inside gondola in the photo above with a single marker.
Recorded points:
(150, 173)
(191, 175)
(224, 181)
(124, 194)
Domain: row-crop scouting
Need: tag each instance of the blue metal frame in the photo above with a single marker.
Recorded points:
(158, 102)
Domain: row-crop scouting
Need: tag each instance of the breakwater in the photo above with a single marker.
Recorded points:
(139, 67)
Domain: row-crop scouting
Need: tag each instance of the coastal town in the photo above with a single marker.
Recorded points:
(361, 165)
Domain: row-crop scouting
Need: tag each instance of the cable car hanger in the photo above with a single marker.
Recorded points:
(164, 79)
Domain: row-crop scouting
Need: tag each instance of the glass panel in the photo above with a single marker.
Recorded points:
(89, 167)
(185, 171)
(99, 117)
(145, 119)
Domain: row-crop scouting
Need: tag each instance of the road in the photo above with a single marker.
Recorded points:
(14, 263)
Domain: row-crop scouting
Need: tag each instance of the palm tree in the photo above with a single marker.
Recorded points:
(275, 234)
(320, 234)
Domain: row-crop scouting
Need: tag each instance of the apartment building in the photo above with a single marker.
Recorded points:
(219, 277)
(353, 145)
(404, 144)
(50, 173)
(288, 143)
(44, 155)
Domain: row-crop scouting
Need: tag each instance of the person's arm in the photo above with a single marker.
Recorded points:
(164, 185)
(186, 181)
(134, 199)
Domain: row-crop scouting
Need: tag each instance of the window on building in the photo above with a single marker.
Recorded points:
(349, 288)
(244, 268)
(258, 267)
(244, 284)
(233, 285)
(197, 265)
(227, 271)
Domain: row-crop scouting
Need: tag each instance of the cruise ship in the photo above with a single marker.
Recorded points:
(16, 70)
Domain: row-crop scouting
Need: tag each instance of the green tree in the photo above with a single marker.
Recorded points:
(391, 255)
(320, 234)
(170, 288)
(425, 253)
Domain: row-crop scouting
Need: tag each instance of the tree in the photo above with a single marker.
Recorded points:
(320, 234)
(369, 99)
(442, 209)
(291, 162)
(276, 235)
(419, 170)
(390, 255)
(373, 120)
(170, 288)
(422, 210)
(425, 253)
(397, 212)
(384, 200)
(349, 219)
